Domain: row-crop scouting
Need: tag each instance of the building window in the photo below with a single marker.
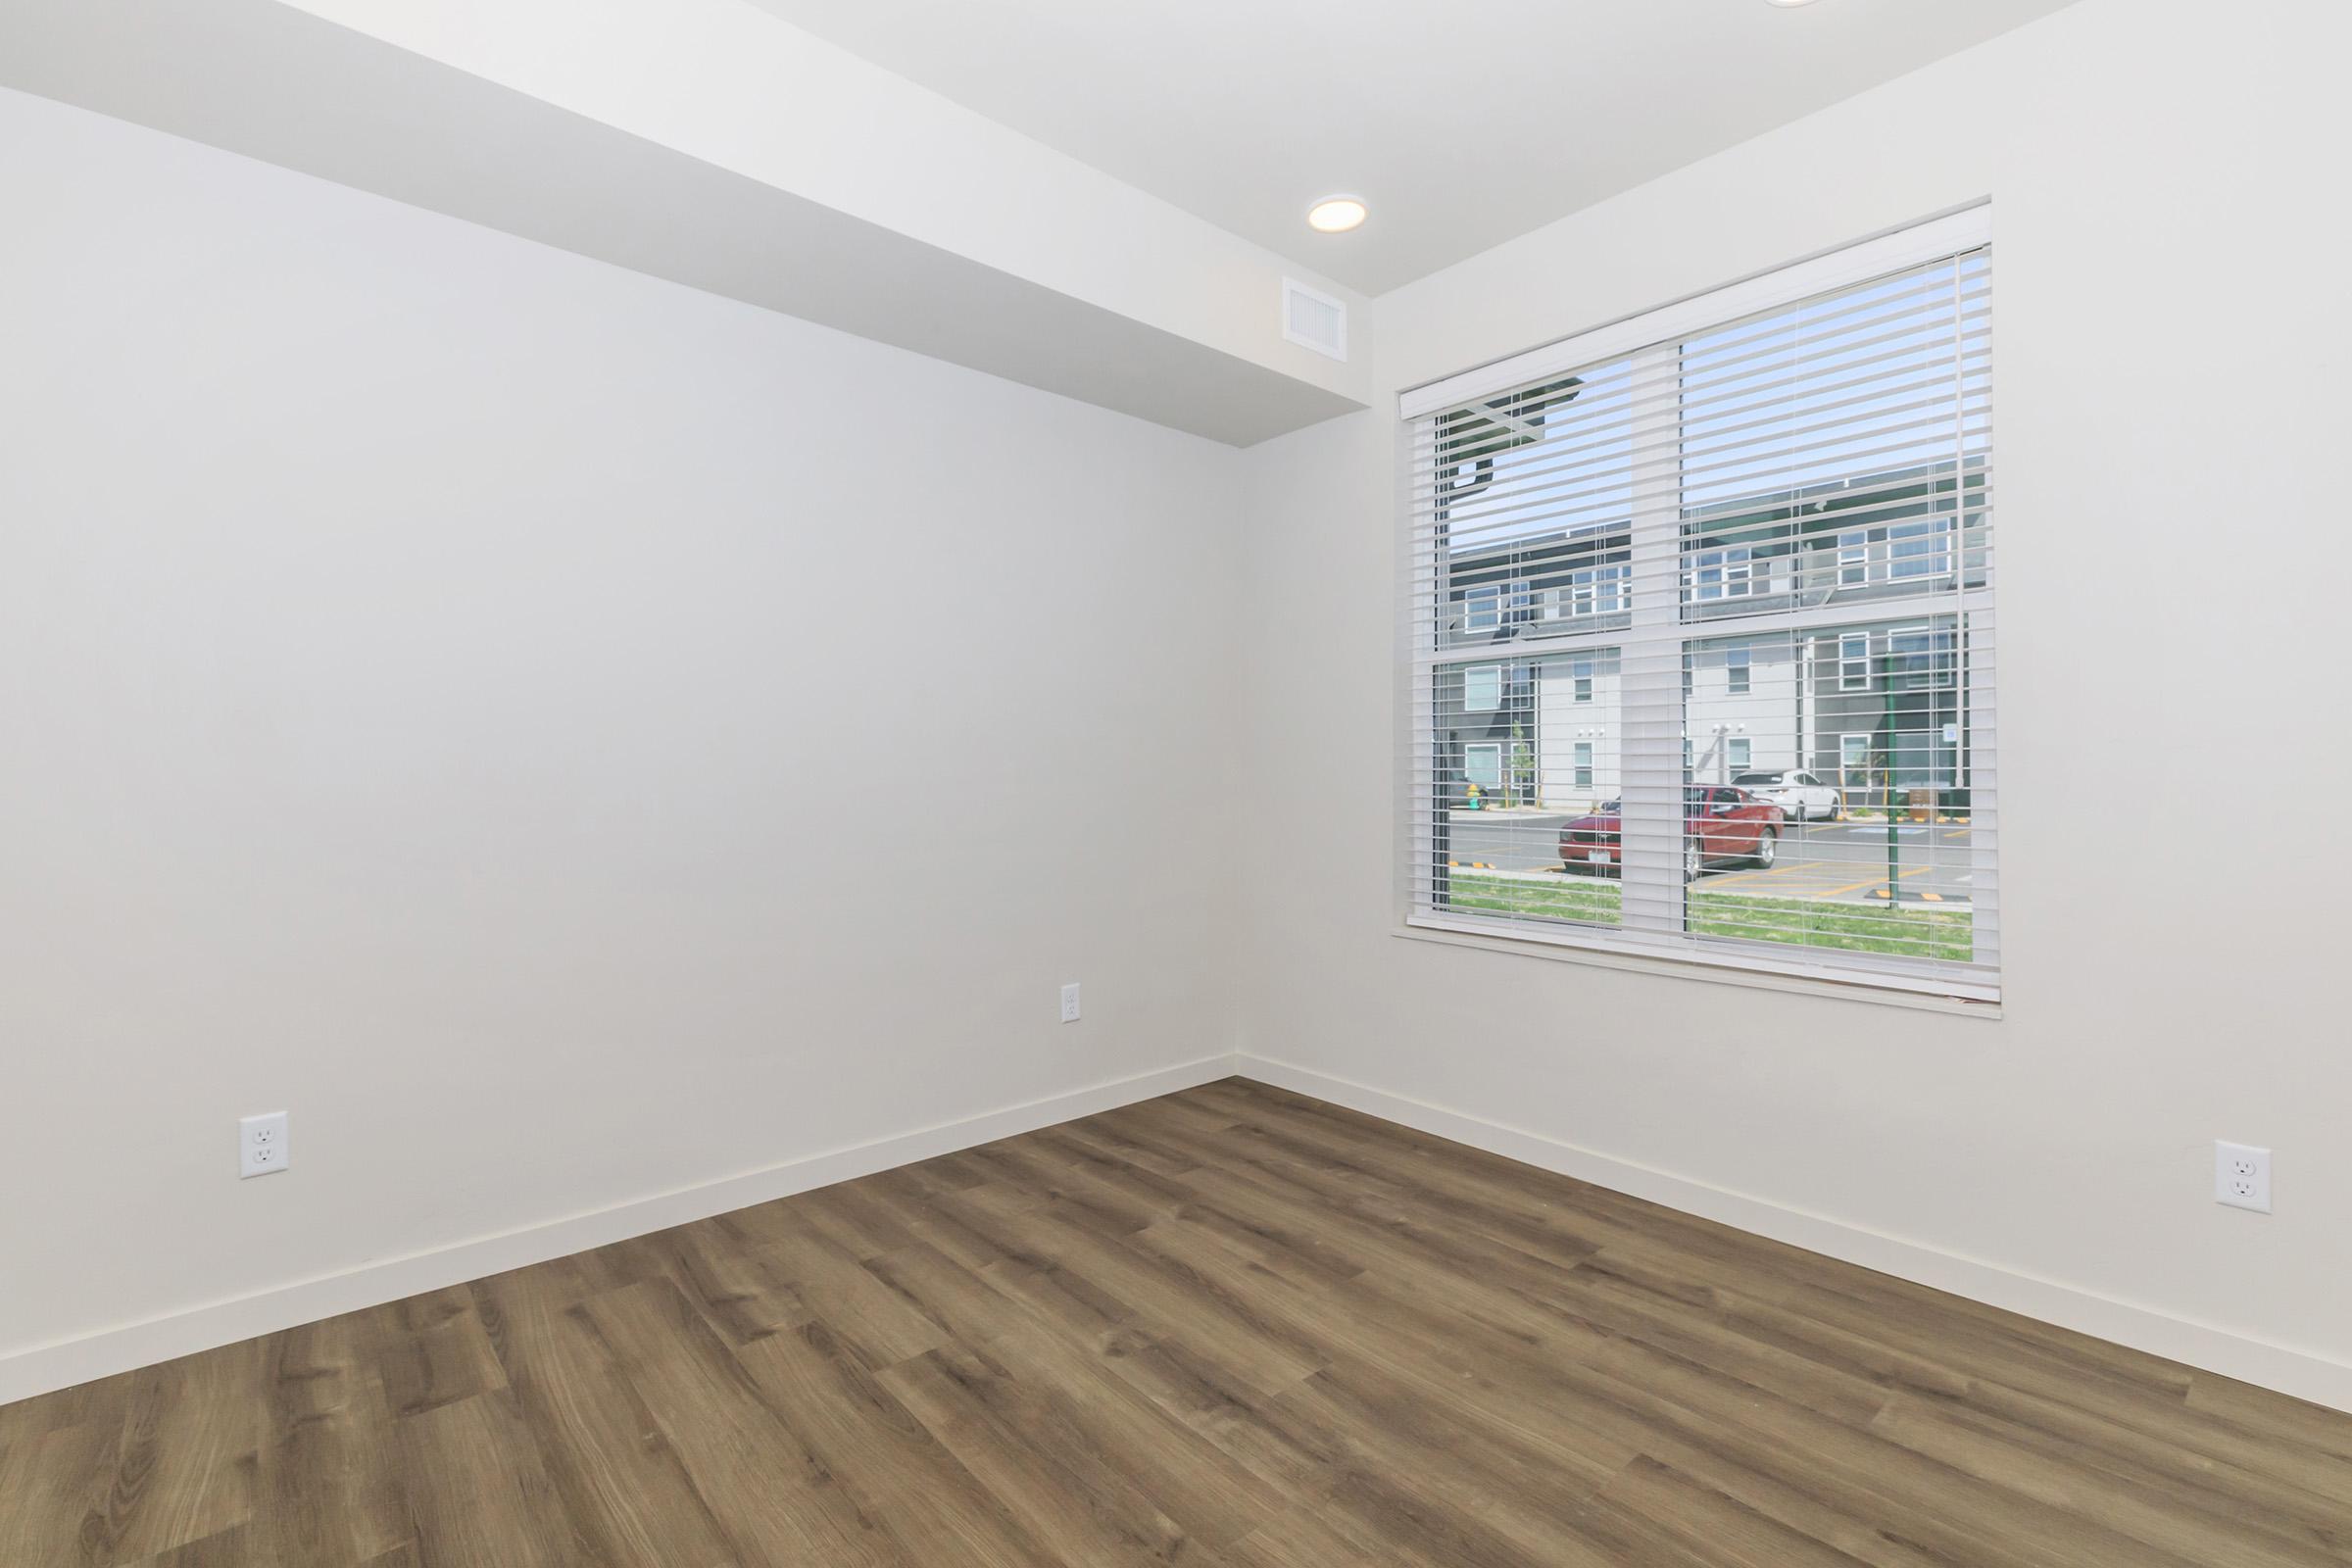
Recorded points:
(1918, 549)
(1853, 663)
(1481, 765)
(1829, 431)
(1921, 656)
(1596, 590)
(1715, 574)
(1853, 557)
(1482, 688)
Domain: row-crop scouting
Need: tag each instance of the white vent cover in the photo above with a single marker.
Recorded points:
(1313, 319)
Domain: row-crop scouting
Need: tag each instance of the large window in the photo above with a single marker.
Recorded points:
(1735, 562)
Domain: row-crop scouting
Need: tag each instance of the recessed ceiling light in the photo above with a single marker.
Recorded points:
(1335, 215)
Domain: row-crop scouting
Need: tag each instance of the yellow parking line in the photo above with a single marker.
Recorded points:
(1739, 877)
(1874, 882)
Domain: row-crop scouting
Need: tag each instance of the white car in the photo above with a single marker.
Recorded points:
(1803, 797)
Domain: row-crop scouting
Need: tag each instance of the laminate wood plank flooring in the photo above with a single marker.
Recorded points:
(1234, 1328)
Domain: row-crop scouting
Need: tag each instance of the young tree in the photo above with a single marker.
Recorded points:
(1520, 786)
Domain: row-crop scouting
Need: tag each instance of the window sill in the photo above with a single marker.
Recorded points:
(1720, 970)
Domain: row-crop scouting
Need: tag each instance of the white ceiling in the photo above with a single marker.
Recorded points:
(1461, 124)
(700, 142)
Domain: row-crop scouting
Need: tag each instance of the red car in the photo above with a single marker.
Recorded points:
(1720, 824)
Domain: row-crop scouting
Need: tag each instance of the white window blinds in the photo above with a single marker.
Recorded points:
(1701, 619)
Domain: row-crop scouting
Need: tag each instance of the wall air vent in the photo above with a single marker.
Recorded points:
(1313, 319)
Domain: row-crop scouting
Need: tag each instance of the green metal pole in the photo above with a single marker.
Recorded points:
(1886, 727)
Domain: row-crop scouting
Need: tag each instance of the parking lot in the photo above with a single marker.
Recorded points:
(1830, 861)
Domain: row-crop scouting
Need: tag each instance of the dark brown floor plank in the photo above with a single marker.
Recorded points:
(1653, 1511)
(1029, 1456)
(233, 1547)
(434, 1351)
(959, 1301)
(746, 1291)
(617, 1478)
(477, 1490)
(832, 1285)
(855, 1216)
(51, 1479)
(1208, 1494)
(332, 1490)
(933, 1506)
(776, 1505)
(2137, 1507)
(185, 1460)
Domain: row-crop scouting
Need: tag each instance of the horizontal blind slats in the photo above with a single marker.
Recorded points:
(1763, 551)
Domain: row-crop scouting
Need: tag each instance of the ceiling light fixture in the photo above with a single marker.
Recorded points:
(1788, 5)
(1336, 214)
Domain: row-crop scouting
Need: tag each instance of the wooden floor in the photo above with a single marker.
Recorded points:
(1231, 1327)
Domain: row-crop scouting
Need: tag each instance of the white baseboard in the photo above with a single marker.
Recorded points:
(64, 1363)
(2302, 1373)
(61, 1364)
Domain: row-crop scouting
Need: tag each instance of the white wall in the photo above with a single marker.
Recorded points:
(1765, 715)
(2173, 392)
(562, 736)
(1563, 723)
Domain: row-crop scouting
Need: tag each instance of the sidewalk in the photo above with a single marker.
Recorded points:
(1457, 813)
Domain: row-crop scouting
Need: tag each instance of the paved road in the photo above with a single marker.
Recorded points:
(1841, 861)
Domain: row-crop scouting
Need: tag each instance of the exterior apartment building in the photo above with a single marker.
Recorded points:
(1876, 705)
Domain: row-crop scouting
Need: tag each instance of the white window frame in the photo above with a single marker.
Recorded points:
(1847, 680)
(1581, 676)
(1739, 671)
(1935, 530)
(1739, 754)
(1495, 595)
(1853, 557)
(1596, 590)
(1471, 672)
(1583, 769)
(1720, 572)
(1468, 778)
(1668, 626)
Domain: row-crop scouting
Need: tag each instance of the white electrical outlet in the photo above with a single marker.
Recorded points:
(2241, 1176)
(261, 1144)
(1069, 1002)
